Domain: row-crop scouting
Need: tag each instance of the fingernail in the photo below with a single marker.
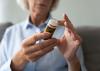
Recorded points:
(65, 16)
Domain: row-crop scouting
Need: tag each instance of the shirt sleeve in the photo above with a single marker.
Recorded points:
(81, 58)
(4, 60)
(6, 66)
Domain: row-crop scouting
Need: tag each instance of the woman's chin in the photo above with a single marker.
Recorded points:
(41, 12)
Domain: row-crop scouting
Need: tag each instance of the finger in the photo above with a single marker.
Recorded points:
(79, 38)
(68, 23)
(66, 18)
(77, 43)
(65, 22)
(40, 46)
(32, 39)
(70, 29)
(61, 22)
(31, 60)
(73, 35)
(40, 53)
(68, 26)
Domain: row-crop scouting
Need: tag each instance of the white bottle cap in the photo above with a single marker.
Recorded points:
(53, 22)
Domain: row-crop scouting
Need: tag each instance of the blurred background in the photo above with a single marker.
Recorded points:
(80, 12)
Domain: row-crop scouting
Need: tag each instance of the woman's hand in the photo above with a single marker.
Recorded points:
(32, 51)
(69, 44)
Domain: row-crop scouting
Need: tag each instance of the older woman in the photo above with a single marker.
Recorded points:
(20, 52)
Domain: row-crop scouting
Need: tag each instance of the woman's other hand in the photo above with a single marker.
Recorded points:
(69, 44)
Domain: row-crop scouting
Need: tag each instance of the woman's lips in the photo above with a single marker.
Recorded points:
(42, 5)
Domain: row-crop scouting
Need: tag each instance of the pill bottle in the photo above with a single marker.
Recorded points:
(51, 26)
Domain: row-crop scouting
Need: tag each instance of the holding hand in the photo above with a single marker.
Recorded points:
(32, 51)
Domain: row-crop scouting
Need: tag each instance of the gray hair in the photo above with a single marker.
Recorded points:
(24, 4)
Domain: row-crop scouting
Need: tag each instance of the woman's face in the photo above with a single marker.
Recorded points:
(40, 6)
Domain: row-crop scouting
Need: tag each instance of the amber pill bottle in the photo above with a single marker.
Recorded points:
(51, 26)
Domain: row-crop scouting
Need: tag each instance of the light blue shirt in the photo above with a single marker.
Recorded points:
(10, 45)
